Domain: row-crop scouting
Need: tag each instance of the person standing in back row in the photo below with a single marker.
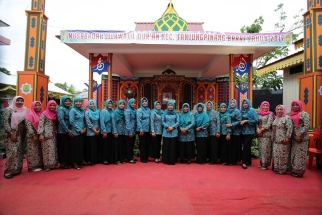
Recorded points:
(143, 127)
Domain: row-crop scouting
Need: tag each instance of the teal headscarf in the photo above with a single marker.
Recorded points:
(95, 113)
(109, 111)
(248, 113)
(201, 116)
(212, 106)
(129, 103)
(80, 109)
(185, 116)
(159, 112)
(170, 112)
(145, 109)
(119, 113)
(230, 109)
(62, 101)
(245, 110)
(221, 114)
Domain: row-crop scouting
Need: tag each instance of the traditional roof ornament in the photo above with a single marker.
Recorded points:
(170, 21)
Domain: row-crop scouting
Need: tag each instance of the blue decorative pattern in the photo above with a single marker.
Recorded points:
(320, 61)
(33, 22)
(308, 22)
(308, 63)
(32, 42)
(41, 64)
(35, 3)
(42, 44)
(31, 61)
(320, 40)
(308, 43)
(320, 19)
(306, 96)
(42, 93)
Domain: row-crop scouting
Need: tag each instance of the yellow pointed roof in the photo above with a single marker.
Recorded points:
(170, 21)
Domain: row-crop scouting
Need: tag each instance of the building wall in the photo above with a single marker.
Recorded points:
(290, 88)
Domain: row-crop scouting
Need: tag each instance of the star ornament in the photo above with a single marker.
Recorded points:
(26, 88)
(320, 90)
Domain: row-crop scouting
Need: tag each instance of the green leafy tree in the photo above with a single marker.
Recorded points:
(271, 80)
(5, 71)
(69, 88)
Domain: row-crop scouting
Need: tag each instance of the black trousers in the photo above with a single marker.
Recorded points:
(119, 148)
(247, 143)
(214, 147)
(64, 148)
(156, 146)
(237, 139)
(77, 149)
(129, 147)
(91, 154)
(169, 151)
(201, 145)
(224, 149)
(144, 146)
(106, 147)
(232, 154)
(186, 150)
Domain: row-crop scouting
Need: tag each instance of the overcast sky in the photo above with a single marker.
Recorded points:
(217, 15)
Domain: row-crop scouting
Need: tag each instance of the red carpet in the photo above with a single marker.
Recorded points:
(160, 189)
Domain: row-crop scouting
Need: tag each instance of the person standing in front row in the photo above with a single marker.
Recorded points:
(214, 133)
(235, 136)
(65, 134)
(77, 122)
(186, 134)
(92, 116)
(300, 138)
(281, 136)
(156, 131)
(119, 144)
(47, 131)
(170, 123)
(34, 154)
(264, 132)
(226, 149)
(106, 131)
(202, 123)
(14, 127)
(130, 129)
(143, 127)
(248, 123)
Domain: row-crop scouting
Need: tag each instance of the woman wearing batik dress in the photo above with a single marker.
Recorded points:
(64, 133)
(226, 155)
(156, 131)
(235, 136)
(186, 135)
(92, 116)
(119, 144)
(248, 123)
(264, 132)
(281, 136)
(106, 131)
(201, 131)
(214, 133)
(130, 129)
(300, 138)
(170, 123)
(14, 127)
(77, 122)
(143, 115)
(34, 154)
(47, 131)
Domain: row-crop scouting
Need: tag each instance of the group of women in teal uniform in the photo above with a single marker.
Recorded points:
(68, 136)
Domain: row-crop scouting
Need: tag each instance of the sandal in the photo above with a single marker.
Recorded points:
(157, 161)
(244, 166)
(132, 162)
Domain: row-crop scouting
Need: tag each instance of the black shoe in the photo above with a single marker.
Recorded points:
(296, 175)
(132, 162)
(144, 161)
(244, 166)
(189, 162)
(8, 176)
(211, 163)
(182, 161)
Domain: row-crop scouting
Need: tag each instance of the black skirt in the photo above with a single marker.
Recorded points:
(91, 149)
(64, 148)
(106, 148)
